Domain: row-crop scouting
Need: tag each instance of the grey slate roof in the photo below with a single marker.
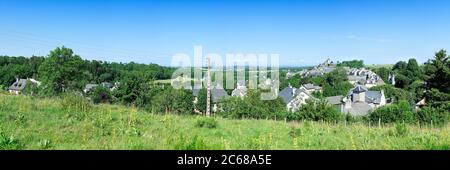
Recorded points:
(359, 89)
(335, 100)
(310, 86)
(18, 85)
(89, 87)
(355, 78)
(195, 92)
(286, 94)
(216, 93)
(373, 97)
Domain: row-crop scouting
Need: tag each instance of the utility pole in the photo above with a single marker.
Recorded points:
(208, 88)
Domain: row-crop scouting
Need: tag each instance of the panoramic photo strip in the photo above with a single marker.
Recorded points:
(224, 83)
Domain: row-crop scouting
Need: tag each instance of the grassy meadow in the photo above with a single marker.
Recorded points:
(73, 123)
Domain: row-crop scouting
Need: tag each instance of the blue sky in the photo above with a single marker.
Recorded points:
(302, 32)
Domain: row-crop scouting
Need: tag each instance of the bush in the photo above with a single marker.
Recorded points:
(393, 113)
(317, 110)
(251, 106)
(208, 122)
(439, 115)
(100, 94)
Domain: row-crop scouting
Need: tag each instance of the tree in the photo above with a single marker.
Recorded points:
(61, 71)
(437, 72)
(383, 72)
(201, 100)
(336, 83)
(293, 81)
(413, 71)
(400, 66)
(133, 89)
(401, 81)
(176, 101)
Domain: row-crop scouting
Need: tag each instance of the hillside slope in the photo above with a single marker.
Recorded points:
(73, 123)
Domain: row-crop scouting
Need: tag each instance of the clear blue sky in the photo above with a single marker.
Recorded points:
(302, 32)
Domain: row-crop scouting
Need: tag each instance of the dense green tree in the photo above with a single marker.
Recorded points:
(400, 66)
(383, 72)
(61, 71)
(437, 72)
(293, 81)
(401, 81)
(336, 83)
(413, 71)
(176, 101)
(201, 100)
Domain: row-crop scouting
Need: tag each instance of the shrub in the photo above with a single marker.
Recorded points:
(209, 122)
(393, 113)
(100, 94)
(439, 115)
(318, 110)
(251, 106)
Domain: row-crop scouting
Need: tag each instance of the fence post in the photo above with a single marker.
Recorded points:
(345, 122)
(379, 122)
(431, 123)
(275, 117)
(285, 120)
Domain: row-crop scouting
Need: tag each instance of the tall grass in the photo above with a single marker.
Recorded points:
(74, 123)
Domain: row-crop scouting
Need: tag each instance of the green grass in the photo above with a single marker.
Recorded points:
(29, 123)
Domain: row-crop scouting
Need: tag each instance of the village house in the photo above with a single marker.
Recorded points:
(90, 87)
(359, 101)
(240, 90)
(19, 85)
(364, 77)
(326, 67)
(310, 88)
(217, 95)
(391, 79)
(294, 97)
